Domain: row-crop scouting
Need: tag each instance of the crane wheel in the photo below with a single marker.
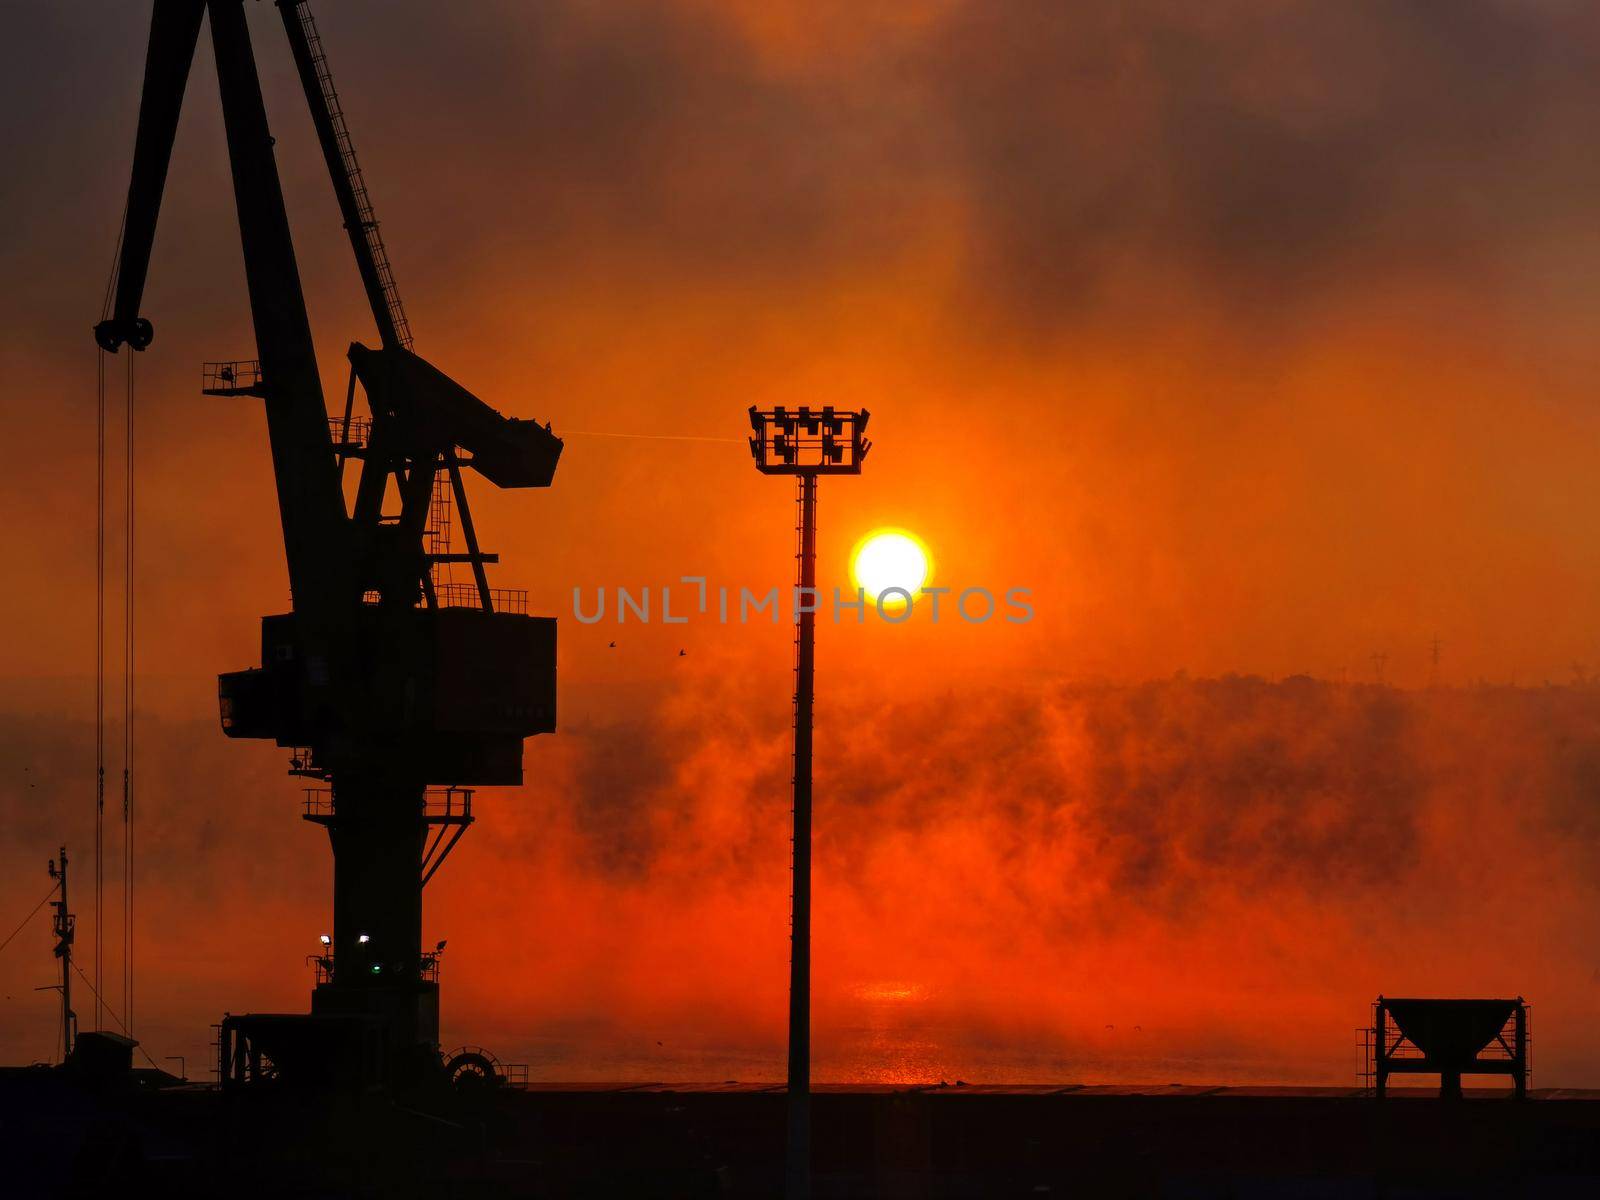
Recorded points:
(473, 1067)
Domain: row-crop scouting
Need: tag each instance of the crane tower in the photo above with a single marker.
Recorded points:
(385, 682)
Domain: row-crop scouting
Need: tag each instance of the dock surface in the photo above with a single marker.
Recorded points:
(726, 1139)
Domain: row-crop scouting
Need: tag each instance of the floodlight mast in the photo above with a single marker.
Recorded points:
(806, 444)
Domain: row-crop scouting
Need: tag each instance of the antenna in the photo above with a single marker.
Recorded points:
(65, 928)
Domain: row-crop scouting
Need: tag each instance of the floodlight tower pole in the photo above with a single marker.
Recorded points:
(805, 444)
(799, 1157)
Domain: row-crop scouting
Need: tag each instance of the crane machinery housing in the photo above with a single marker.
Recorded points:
(384, 681)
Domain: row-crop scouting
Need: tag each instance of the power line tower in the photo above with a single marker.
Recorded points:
(1379, 658)
(804, 444)
(1433, 662)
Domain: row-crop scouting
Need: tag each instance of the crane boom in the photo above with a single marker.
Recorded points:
(349, 186)
(174, 31)
(310, 502)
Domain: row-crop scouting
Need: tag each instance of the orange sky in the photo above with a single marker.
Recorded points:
(1251, 340)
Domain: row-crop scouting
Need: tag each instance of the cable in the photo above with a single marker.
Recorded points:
(100, 672)
(100, 625)
(116, 264)
(650, 437)
(28, 918)
(127, 729)
(124, 1028)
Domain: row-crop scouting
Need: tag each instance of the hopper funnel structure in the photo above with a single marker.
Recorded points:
(1450, 1038)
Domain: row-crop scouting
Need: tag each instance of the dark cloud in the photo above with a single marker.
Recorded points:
(1266, 155)
(1262, 154)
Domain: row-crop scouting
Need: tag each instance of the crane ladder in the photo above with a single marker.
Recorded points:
(352, 168)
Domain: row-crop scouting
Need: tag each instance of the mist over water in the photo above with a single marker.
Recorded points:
(1178, 881)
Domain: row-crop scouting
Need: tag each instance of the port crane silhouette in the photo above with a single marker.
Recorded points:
(384, 681)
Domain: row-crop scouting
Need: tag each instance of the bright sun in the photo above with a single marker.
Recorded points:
(890, 558)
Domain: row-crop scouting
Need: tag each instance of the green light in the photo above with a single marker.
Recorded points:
(376, 967)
